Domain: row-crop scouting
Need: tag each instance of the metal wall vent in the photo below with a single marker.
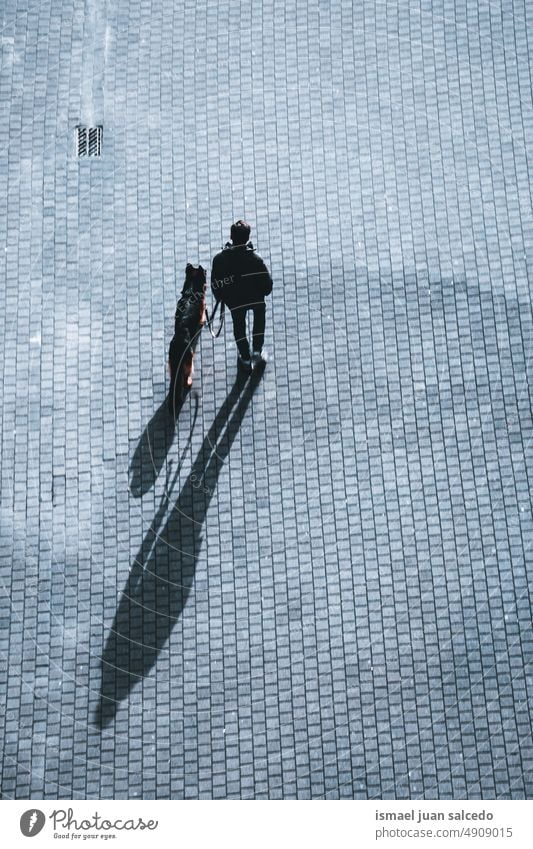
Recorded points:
(89, 141)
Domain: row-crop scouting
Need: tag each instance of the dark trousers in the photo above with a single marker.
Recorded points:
(238, 315)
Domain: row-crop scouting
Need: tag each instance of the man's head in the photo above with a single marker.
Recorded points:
(240, 232)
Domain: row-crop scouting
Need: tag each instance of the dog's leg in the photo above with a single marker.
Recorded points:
(189, 368)
(172, 391)
(173, 368)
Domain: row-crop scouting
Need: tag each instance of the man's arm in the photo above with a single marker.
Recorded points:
(216, 285)
(263, 278)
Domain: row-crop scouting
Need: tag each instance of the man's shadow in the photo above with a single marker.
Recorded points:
(163, 571)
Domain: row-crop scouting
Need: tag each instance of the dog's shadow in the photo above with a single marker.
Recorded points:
(154, 445)
(163, 570)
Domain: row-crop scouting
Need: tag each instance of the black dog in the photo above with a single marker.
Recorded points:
(189, 320)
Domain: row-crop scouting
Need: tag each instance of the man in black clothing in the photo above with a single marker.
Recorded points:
(241, 280)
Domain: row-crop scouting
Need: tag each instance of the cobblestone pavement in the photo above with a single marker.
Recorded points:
(317, 585)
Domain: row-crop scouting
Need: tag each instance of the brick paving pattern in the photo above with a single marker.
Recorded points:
(316, 586)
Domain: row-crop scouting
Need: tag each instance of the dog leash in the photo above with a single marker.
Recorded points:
(210, 318)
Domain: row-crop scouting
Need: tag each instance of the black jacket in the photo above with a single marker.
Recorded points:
(239, 277)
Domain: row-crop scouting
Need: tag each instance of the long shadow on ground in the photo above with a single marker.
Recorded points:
(154, 445)
(151, 451)
(163, 571)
